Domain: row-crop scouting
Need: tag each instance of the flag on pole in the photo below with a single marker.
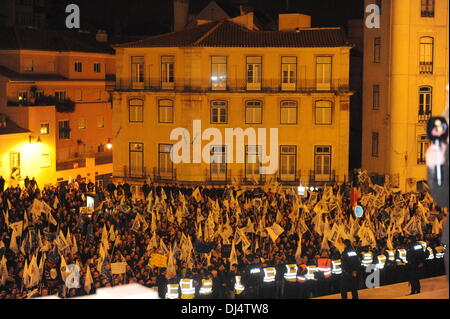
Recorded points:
(274, 231)
(88, 281)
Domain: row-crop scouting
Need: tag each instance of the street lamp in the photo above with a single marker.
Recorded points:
(109, 144)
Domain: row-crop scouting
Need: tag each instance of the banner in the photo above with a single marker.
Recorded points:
(158, 260)
(118, 268)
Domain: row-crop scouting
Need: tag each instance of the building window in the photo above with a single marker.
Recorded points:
(288, 112)
(422, 145)
(253, 112)
(136, 158)
(45, 128)
(288, 162)
(137, 71)
(324, 111)
(82, 124)
(322, 163)
(28, 65)
(45, 160)
(136, 110)
(97, 67)
(22, 96)
(425, 103)
(427, 9)
(78, 95)
(219, 112)
(78, 67)
(165, 111)
(426, 55)
(165, 164)
(252, 161)
(64, 129)
(167, 72)
(218, 163)
(219, 73)
(323, 73)
(288, 73)
(377, 50)
(375, 144)
(60, 95)
(376, 97)
(254, 69)
(52, 66)
(100, 122)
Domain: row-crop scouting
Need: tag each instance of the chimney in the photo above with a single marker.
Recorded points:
(180, 14)
(293, 21)
(101, 36)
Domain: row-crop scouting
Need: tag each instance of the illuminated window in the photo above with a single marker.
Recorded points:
(82, 124)
(288, 112)
(252, 161)
(288, 157)
(136, 154)
(425, 103)
(218, 163)
(426, 49)
(324, 111)
(165, 164)
(323, 72)
(322, 163)
(137, 70)
(136, 110)
(45, 128)
(167, 72)
(288, 73)
(253, 112)
(219, 112)
(165, 111)
(254, 69)
(219, 72)
(422, 145)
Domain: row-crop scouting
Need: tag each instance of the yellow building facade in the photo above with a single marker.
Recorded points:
(54, 85)
(226, 76)
(405, 75)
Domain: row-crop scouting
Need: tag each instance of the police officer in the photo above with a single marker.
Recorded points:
(236, 287)
(268, 288)
(253, 278)
(290, 277)
(351, 267)
(415, 257)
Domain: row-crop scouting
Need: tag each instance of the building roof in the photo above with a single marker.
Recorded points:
(11, 127)
(15, 38)
(225, 33)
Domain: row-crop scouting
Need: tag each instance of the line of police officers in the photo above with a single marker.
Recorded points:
(316, 277)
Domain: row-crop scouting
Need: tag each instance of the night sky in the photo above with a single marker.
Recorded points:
(148, 17)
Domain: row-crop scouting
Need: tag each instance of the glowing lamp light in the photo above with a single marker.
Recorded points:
(109, 144)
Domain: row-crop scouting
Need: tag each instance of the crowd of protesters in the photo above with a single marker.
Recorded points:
(117, 209)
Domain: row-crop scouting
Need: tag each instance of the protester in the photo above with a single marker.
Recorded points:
(203, 236)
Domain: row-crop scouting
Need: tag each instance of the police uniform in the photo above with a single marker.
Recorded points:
(290, 280)
(268, 289)
(351, 266)
(415, 258)
(302, 287)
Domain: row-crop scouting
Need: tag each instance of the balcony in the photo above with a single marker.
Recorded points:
(74, 164)
(164, 175)
(318, 180)
(234, 86)
(128, 172)
(426, 67)
(62, 105)
(427, 13)
(424, 116)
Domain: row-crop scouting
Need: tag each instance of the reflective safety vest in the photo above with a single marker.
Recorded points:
(439, 252)
(238, 287)
(367, 258)
(430, 253)
(391, 253)
(402, 257)
(187, 288)
(324, 266)
(269, 274)
(336, 270)
(301, 277)
(424, 245)
(311, 270)
(206, 288)
(381, 261)
(172, 291)
(291, 272)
